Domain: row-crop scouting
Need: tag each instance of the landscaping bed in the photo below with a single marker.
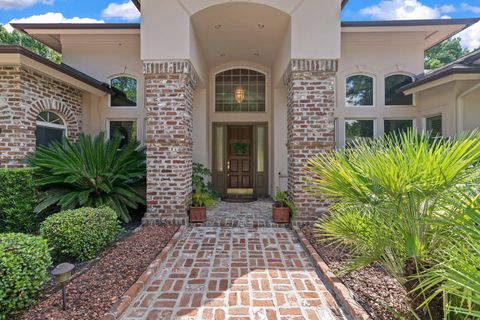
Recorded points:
(376, 291)
(105, 279)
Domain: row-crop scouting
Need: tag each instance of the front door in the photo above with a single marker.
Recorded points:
(240, 159)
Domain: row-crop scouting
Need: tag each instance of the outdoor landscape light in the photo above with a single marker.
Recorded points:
(62, 274)
(239, 94)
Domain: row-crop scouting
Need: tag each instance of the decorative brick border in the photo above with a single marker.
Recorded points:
(342, 293)
(119, 308)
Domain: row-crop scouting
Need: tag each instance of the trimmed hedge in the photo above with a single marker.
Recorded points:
(81, 233)
(17, 201)
(24, 263)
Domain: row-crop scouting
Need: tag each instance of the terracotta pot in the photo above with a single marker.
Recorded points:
(198, 214)
(281, 215)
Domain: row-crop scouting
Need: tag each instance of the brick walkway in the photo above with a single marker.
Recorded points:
(233, 273)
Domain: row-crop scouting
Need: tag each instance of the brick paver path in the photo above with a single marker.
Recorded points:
(234, 273)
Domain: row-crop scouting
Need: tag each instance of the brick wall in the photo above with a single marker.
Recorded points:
(169, 90)
(24, 93)
(311, 131)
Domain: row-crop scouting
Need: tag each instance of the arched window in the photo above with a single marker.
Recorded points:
(125, 92)
(240, 90)
(393, 95)
(359, 91)
(50, 127)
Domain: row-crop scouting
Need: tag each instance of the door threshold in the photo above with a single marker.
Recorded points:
(240, 191)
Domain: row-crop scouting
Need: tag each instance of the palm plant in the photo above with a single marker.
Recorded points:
(92, 172)
(385, 192)
(455, 272)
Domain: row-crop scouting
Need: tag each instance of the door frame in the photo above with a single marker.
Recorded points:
(220, 178)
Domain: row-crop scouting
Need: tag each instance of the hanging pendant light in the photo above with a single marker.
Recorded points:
(239, 94)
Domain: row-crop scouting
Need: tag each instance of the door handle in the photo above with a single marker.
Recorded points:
(228, 166)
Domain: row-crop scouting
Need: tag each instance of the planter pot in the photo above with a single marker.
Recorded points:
(280, 215)
(198, 214)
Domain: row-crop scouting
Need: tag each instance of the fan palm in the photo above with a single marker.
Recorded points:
(92, 172)
(384, 192)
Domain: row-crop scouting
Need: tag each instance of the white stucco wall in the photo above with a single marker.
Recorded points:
(377, 55)
(471, 110)
(104, 56)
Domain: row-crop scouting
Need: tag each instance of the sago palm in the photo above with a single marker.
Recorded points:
(92, 172)
(384, 191)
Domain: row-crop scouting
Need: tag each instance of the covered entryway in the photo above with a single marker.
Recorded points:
(240, 168)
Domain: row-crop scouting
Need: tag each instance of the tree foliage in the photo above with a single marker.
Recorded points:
(444, 53)
(17, 37)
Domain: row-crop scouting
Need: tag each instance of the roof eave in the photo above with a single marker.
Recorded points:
(440, 75)
(63, 68)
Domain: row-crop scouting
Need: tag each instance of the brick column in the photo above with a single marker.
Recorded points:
(311, 128)
(169, 87)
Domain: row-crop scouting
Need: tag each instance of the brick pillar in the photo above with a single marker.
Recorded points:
(169, 87)
(311, 128)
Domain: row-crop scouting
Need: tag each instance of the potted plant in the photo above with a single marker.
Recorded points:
(201, 199)
(283, 208)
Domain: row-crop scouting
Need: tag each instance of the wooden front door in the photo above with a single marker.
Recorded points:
(240, 159)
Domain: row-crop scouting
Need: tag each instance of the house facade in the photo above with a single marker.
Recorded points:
(251, 89)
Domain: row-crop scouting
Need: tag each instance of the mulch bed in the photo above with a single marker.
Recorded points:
(377, 291)
(105, 279)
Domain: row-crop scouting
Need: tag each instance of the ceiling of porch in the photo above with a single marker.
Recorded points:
(240, 31)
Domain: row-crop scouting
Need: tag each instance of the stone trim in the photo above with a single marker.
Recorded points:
(129, 296)
(342, 293)
(172, 67)
(309, 65)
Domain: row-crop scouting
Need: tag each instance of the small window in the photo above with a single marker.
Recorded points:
(240, 90)
(50, 128)
(393, 95)
(355, 129)
(397, 126)
(359, 91)
(125, 92)
(434, 126)
(126, 128)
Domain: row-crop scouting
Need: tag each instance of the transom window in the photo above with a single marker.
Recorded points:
(240, 90)
(125, 92)
(359, 91)
(50, 128)
(393, 95)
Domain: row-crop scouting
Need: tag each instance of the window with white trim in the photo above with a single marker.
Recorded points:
(125, 91)
(359, 91)
(50, 128)
(397, 125)
(393, 95)
(127, 129)
(434, 125)
(358, 128)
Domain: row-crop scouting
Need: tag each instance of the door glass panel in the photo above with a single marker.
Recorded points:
(219, 147)
(260, 149)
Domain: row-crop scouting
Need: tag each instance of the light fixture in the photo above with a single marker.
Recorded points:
(261, 26)
(62, 274)
(218, 26)
(256, 54)
(239, 94)
(223, 54)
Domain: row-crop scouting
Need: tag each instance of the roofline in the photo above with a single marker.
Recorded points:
(137, 4)
(66, 69)
(82, 26)
(440, 75)
(407, 23)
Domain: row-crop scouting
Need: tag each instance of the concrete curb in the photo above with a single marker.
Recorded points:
(121, 305)
(342, 293)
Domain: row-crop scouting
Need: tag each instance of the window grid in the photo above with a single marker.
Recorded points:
(251, 81)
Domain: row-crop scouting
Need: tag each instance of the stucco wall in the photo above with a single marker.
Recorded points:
(377, 55)
(102, 57)
(471, 111)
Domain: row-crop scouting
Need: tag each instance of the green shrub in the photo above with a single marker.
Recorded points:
(93, 172)
(24, 261)
(80, 233)
(17, 201)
